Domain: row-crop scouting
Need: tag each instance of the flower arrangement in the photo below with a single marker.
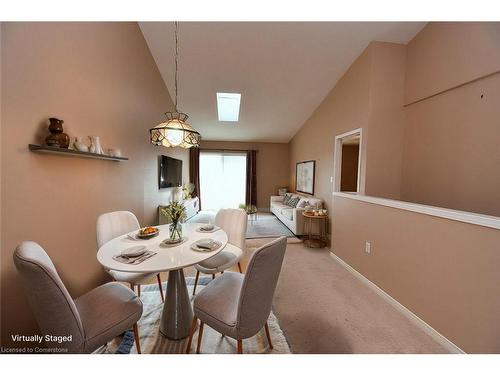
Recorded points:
(249, 209)
(176, 213)
(187, 190)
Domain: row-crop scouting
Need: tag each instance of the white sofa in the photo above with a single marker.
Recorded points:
(292, 217)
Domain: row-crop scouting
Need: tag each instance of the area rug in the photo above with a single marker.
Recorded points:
(152, 342)
(267, 225)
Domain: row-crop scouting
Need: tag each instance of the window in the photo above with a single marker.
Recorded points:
(222, 179)
(228, 106)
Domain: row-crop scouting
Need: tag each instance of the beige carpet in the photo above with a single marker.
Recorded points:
(323, 308)
(152, 342)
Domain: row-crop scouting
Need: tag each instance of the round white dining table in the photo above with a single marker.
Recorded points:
(177, 312)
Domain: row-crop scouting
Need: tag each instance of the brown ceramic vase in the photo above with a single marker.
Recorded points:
(57, 138)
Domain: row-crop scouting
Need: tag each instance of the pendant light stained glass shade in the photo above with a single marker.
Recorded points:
(175, 132)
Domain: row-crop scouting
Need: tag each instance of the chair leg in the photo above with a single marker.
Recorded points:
(239, 267)
(213, 276)
(139, 290)
(132, 287)
(137, 338)
(191, 333)
(268, 336)
(196, 281)
(200, 334)
(240, 346)
(161, 289)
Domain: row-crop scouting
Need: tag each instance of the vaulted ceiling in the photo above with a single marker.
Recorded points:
(283, 70)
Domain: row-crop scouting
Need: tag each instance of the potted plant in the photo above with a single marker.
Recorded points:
(176, 213)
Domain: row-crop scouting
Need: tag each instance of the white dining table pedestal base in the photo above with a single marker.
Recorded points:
(177, 311)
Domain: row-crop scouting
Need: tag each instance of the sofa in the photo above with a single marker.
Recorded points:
(292, 216)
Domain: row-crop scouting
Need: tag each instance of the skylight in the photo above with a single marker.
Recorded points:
(228, 106)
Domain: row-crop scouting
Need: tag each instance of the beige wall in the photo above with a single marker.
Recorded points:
(440, 151)
(452, 140)
(345, 108)
(368, 96)
(447, 54)
(101, 80)
(445, 271)
(443, 151)
(272, 165)
(385, 130)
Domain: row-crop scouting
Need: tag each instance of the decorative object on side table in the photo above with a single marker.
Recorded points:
(187, 190)
(250, 209)
(304, 177)
(282, 191)
(176, 212)
(57, 138)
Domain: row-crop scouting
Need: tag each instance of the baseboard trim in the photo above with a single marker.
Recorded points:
(438, 337)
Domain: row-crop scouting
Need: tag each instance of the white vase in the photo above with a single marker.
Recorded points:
(95, 145)
(79, 145)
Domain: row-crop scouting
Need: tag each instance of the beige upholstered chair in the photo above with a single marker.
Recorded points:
(234, 223)
(238, 305)
(92, 319)
(113, 224)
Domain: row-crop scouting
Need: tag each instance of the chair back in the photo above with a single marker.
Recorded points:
(233, 221)
(260, 281)
(113, 224)
(53, 307)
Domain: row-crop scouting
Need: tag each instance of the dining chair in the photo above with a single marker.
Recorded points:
(114, 224)
(92, 319)
(238, 305)
(234, 223)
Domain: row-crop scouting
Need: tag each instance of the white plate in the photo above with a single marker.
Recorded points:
(134, 251)
(216, 245)
(214, 229)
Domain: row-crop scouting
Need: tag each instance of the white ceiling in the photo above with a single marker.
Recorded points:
(282, 70)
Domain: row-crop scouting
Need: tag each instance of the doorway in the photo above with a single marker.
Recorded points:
(348, 162)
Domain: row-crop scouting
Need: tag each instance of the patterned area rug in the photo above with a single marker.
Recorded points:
(267, 225)
(152, 342)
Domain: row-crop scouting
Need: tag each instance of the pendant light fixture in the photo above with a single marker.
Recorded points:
(175, 131)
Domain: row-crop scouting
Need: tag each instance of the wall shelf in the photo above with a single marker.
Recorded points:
(68, 152)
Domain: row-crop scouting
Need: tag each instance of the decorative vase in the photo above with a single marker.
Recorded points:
(175, 230)
(80, 145)
(57, 138)
(95, 145)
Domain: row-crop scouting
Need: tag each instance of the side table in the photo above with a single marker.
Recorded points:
(315, 240)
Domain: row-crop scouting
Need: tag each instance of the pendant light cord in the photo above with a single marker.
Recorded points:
(176, 64)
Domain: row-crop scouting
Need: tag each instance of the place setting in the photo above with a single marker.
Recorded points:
(207, 228)
(205, 245)
(134, 255)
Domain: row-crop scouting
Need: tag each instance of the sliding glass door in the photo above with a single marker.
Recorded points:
(222, 179)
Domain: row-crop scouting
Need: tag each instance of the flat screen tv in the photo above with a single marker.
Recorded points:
(170, 174)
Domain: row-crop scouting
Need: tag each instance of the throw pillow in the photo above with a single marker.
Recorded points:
(287, 197)
(293, 202)
(303, 203)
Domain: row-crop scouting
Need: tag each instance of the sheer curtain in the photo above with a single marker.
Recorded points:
(222, 179)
